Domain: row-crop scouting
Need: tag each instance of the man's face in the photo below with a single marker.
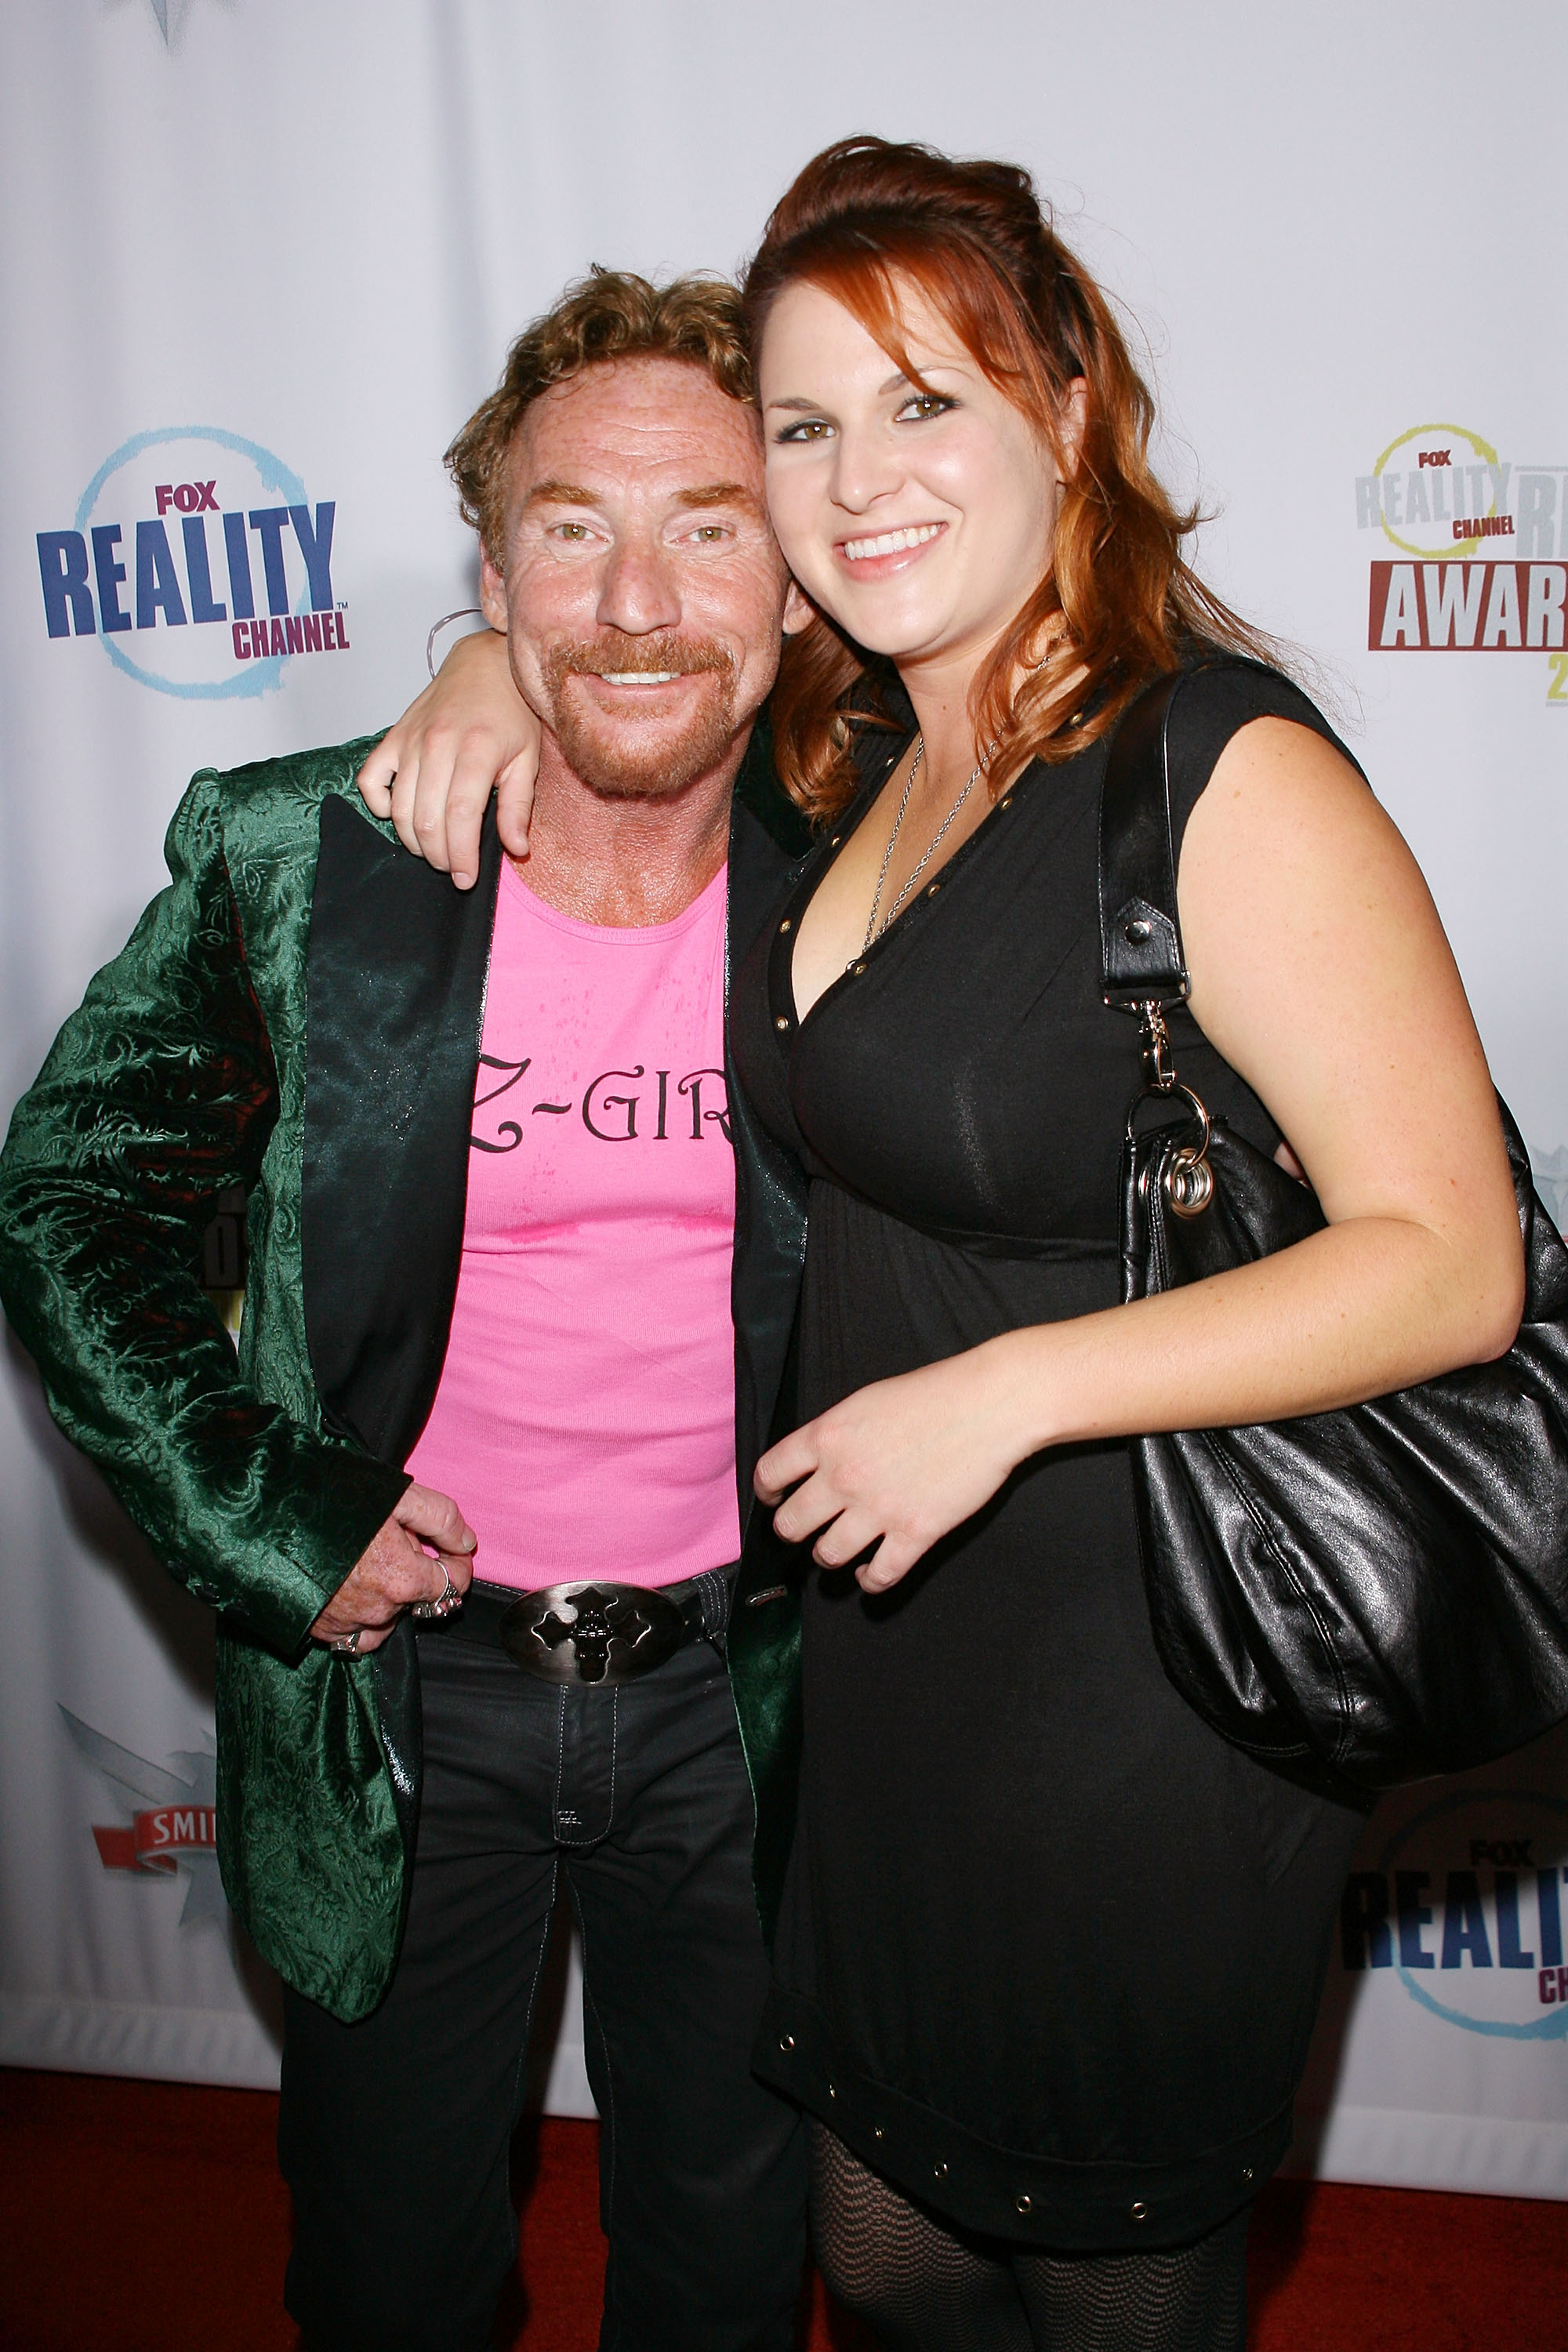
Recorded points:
(643, 596)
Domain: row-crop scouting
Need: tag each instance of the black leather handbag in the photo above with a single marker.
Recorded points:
(1362, 1597)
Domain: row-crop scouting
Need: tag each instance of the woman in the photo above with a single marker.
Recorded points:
(1050, 1949)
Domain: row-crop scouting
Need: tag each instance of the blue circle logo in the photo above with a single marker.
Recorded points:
(197, 560)
(1467, 1907)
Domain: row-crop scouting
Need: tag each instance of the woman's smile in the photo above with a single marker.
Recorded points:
(889, 551)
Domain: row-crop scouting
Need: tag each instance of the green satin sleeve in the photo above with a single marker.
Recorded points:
(158, 1093)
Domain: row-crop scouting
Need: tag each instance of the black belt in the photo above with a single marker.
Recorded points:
(591, 1631)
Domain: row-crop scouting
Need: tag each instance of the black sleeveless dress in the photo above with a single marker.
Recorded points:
(1050, 1950)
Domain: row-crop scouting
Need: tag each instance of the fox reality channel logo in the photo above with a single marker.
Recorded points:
(1474, 537)
(197, 561)
(1466, 1909)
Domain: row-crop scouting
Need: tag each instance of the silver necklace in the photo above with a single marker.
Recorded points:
(874, 929)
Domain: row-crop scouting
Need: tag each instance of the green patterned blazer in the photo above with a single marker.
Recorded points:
(299, 1013)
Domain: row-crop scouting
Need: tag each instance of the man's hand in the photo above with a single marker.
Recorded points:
(394, 1572)
(470, 733)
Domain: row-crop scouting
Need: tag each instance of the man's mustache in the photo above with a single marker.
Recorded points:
(611, 654)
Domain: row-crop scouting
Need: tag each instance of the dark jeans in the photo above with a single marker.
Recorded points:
(393, 2133)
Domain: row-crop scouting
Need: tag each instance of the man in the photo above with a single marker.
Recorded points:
(497, 1229)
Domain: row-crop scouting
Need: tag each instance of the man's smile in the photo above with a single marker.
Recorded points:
(613, 686)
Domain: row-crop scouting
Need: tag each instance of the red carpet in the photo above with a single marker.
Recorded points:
(148, 2217)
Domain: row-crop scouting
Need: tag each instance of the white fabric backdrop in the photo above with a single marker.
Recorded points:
(278, 248)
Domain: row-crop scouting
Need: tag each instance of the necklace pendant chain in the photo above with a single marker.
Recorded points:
(873, 928)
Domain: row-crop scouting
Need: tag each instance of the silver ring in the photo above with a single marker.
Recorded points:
(445, 1601)
(466, 612)
(348, 1648)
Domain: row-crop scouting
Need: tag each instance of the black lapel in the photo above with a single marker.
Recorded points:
(395, 972)
(768, 837)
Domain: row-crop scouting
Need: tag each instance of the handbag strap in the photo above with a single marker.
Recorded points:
(1140, 955)
(1140, 958)
(1142, 966)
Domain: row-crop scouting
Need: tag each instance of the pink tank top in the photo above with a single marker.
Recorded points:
(585, 1417)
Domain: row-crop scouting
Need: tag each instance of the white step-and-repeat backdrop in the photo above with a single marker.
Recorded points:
(262, 256)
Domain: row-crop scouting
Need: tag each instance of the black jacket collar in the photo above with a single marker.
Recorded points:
(395, 976)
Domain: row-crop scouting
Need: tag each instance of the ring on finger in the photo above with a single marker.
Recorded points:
(445, 1601)
(348, 1648)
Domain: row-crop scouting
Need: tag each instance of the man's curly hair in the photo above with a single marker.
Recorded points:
(611, 314)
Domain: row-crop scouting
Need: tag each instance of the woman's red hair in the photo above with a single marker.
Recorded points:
(867, 219)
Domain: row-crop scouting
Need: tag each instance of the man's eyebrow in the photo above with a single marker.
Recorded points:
(557, 493)
(720, 494)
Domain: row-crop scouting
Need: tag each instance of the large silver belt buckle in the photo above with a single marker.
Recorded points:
(593, 1633)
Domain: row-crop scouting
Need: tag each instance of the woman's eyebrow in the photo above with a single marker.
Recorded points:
(895, 383)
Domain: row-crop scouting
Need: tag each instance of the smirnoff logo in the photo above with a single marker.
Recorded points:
(168, 1828)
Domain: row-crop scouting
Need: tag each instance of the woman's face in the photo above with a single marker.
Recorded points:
(921, 521)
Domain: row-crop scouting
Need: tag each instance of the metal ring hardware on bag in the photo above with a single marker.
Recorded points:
(1187, 1177)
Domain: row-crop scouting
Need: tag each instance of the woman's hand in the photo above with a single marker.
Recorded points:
(471, 732)
(897, 1465)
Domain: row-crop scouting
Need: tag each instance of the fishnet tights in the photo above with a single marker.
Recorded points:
(926, 2288)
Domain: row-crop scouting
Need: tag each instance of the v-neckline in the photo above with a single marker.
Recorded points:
(788, 1020)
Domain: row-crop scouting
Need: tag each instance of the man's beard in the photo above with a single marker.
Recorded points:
(634, 757)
